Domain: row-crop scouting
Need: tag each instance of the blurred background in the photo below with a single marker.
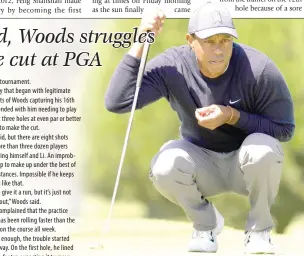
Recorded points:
(281, 40)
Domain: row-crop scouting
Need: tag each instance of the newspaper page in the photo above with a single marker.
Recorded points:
(74, 175)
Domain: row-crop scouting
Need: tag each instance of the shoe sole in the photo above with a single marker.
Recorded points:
(259, 253)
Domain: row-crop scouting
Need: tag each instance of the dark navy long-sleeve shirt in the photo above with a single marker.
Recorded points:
(252, 84)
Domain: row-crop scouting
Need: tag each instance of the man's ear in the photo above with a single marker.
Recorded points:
(190, 40)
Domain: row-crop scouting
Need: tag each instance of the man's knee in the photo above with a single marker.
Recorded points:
(261, 150)
(172, 164)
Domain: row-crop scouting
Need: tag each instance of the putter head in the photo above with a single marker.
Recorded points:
(97, 246)
(106, 229)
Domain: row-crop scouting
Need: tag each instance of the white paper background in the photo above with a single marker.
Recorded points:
(170, 7)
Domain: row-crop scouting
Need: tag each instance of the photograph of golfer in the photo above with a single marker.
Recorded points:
(235, 111)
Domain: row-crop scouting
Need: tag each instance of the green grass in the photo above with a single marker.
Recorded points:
(132, 234)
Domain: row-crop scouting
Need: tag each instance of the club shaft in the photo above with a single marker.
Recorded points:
(138, 85)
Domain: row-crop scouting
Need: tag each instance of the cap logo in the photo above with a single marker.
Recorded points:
(217, 18)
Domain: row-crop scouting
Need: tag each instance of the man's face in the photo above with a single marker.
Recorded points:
(213, 53)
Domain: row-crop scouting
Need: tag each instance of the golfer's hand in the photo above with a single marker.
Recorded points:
(153, 20)
(213, 116)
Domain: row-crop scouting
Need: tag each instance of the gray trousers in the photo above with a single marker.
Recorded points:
(186, 174)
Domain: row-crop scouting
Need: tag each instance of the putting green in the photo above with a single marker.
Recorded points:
(137, 236)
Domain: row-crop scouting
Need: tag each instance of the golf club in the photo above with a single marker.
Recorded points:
(138, 85)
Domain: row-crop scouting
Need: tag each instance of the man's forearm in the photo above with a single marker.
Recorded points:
(252, 123)
(120, 93)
